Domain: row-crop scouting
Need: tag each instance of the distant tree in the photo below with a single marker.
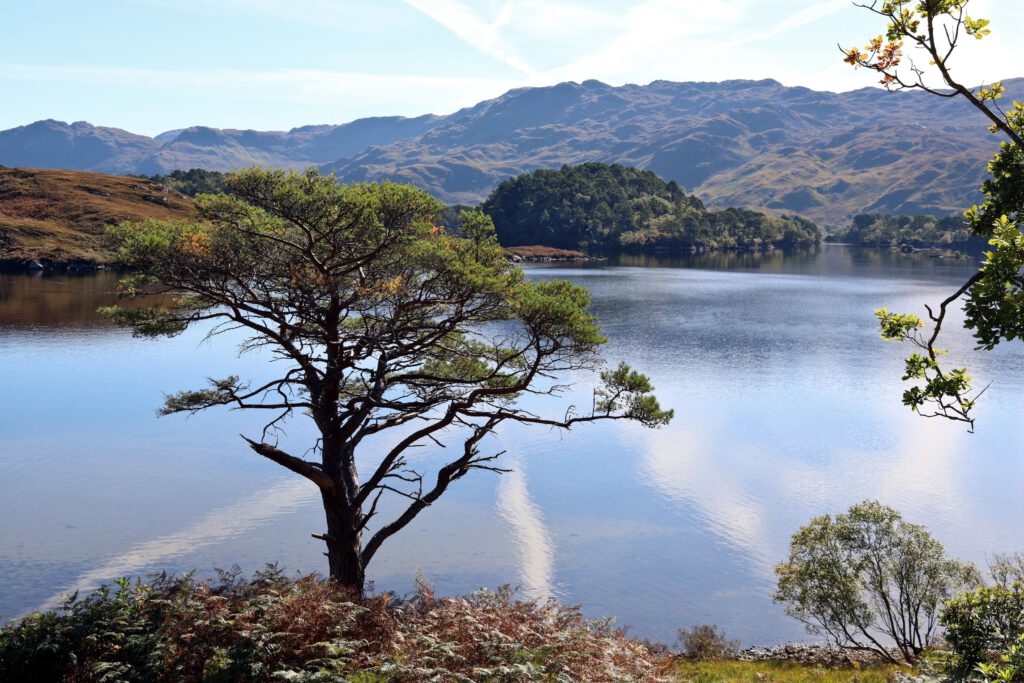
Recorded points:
(867, 578)
(386, 332)
(880, 230)
(192, 182)
(450, 218)
(994, 296)
(1007, 569)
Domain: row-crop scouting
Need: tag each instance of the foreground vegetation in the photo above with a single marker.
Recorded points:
(271, 628)
(307, 629)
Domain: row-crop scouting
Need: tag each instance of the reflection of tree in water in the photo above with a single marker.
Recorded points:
(828, 259)
(721, 259)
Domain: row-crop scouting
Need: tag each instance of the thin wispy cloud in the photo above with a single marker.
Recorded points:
(797, 19)
(473, 29)
(335, 60)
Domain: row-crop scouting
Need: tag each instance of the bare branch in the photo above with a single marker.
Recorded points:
(309, 470)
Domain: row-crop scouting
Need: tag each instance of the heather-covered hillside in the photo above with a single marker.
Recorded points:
(59, 217)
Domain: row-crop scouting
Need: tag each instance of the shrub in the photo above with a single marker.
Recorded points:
(867, 578)
(271, 628)
(989, 619)
(705, 642)
(1009, 668)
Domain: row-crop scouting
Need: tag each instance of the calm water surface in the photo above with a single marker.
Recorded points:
(787, 406)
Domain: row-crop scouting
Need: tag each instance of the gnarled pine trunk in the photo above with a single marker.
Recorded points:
(344, 543)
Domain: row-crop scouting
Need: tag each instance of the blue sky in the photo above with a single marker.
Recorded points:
(154, 65)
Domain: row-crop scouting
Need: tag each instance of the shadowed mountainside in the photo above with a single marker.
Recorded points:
(60, 216)
(83, 146)
(755, 144)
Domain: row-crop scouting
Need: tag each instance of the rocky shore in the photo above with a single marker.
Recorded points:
(809, 653)
(828, 656)
(541, 254)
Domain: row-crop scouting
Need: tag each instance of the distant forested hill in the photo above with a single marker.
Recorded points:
(756, 144)
(876, 230)
(610, 207)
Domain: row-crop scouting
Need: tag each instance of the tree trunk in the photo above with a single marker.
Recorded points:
(344, 544)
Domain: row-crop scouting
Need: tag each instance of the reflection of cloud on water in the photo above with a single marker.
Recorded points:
(918, 472)
(684, 470)
(755, 498)
(216, 527)
(534, 547)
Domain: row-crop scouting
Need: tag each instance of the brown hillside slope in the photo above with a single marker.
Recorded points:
(58, 217)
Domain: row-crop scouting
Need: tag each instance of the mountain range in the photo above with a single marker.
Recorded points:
(755, 144)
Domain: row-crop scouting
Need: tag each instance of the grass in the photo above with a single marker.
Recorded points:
(780, 672)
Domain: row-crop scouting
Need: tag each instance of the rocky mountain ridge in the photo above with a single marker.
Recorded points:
(754, 144)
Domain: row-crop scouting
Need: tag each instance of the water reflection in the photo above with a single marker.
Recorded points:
(826, 259)
(533, 543)
(744, 260)
(241, 517)
(43, 300)
(787, 403)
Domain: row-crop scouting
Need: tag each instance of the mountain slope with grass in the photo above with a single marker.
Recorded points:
(752, 144)
(59, 217)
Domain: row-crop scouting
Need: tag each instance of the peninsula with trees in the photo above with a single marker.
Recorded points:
(608, 207)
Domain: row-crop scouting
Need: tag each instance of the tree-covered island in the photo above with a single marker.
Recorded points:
(609, 207)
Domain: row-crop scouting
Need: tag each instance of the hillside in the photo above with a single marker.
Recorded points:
(601, 207)
(755, 144)
(58, 217)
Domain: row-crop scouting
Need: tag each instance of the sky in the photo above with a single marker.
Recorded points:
(148, 66)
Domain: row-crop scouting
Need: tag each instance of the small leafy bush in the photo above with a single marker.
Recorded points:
(705, 642)
(984, 621)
